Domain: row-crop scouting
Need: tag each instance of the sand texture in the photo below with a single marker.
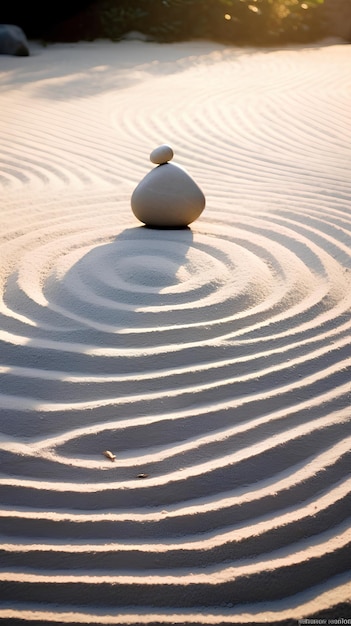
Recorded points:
(213, 362)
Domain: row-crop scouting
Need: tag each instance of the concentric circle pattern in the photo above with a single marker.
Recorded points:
(213, 362)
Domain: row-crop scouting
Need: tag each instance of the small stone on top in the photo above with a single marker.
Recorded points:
(161, 155)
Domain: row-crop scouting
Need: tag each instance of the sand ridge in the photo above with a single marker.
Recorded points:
(214, 361)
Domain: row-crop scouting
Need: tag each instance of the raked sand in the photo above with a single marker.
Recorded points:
(215, 360)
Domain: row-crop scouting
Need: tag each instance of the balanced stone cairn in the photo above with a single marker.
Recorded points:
(167, 197)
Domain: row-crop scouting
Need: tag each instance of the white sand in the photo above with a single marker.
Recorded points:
(216, 360)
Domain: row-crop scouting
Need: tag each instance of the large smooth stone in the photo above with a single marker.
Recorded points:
(167, 198)
(13, 41)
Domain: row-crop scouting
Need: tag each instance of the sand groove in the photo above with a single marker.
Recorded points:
(214, 361)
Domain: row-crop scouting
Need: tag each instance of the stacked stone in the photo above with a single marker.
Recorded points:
(167, 197)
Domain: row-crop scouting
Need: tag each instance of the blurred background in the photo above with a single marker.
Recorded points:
(240, 22)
